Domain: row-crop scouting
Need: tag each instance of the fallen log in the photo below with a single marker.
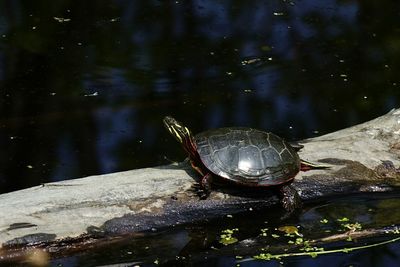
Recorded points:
(74, 213)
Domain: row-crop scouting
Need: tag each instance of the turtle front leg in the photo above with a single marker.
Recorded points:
(205, 186)
(290, 199)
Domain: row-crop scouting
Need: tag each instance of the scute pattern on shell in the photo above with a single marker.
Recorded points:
(248, 156)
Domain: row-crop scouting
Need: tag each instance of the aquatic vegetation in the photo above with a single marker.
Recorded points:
(227, 238)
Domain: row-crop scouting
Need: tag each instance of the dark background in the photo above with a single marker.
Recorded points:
(84, 85)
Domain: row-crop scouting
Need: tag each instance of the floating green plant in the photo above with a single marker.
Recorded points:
(343, 219)
(352, 226)
(264, 232)
(226, 237)
(324, 221)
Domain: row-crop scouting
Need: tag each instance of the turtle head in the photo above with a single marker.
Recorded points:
(179, 131)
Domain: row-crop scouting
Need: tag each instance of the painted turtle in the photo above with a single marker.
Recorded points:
(245, 156)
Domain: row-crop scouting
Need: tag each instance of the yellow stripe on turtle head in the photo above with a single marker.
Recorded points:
(177, 135)
(176, 129)
(187, 131)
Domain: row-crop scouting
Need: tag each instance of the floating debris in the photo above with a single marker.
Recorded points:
(93, 94)
(250, 61)
(61, 20)
(290, 230)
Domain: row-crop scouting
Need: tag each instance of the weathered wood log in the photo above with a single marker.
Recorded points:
(363, 159)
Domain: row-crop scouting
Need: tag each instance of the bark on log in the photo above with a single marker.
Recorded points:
(85, 210)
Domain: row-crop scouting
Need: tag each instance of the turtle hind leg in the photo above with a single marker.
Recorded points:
(290, 199)
(205, 184)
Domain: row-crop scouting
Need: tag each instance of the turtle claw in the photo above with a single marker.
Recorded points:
(198, 189)
(202, 188)
(203, 196)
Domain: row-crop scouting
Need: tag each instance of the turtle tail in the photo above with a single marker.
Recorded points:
(306, 166)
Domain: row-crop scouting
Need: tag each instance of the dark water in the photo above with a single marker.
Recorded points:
(84, 84)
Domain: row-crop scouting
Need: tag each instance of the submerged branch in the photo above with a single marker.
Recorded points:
(315, 247)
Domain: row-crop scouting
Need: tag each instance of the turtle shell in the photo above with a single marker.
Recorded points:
(248, 156)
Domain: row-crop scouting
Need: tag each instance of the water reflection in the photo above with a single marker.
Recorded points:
(84, 85)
